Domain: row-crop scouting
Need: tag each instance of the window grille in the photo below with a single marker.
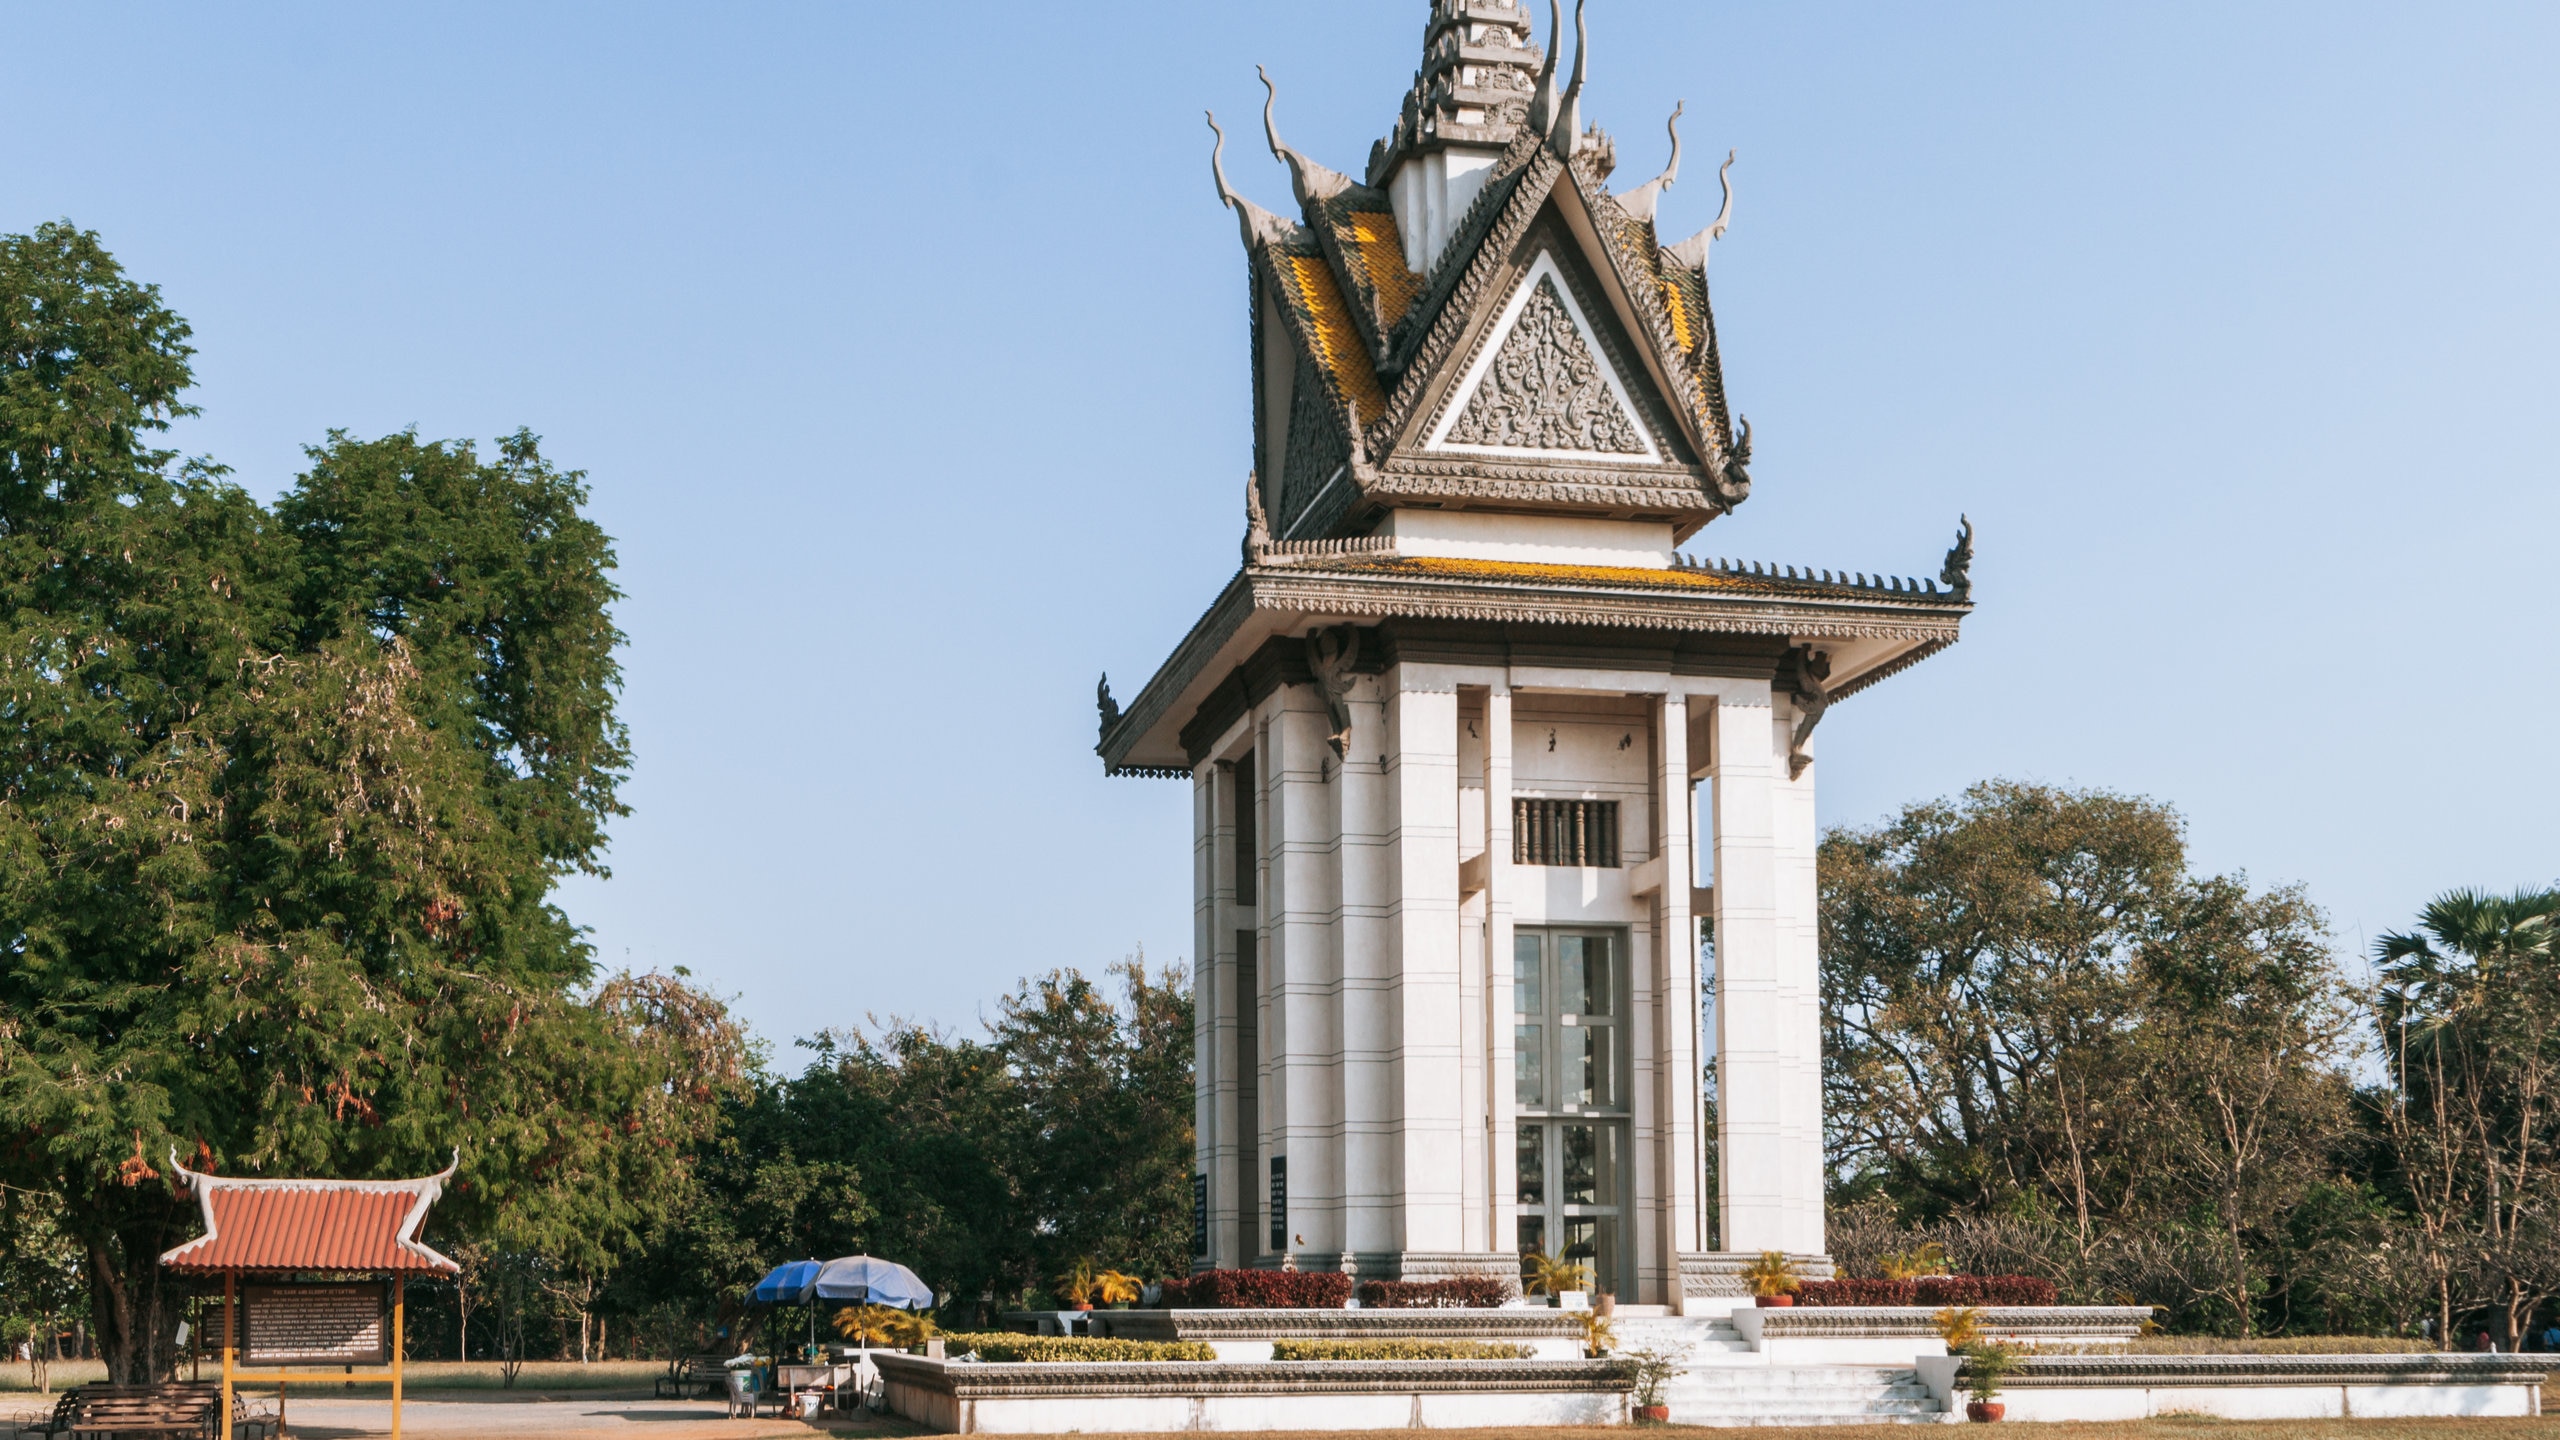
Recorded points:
(1565, 832)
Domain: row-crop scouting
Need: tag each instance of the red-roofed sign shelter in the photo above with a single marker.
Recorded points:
(313, 1272)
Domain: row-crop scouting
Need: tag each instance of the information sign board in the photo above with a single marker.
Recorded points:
(331, 1324)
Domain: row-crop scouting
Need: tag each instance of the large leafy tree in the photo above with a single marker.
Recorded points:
(283, 796)
(2034, 1010)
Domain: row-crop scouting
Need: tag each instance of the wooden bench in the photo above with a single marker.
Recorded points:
(183, 1410)
(59, 1422)
(708, 1374)
(190, 1409)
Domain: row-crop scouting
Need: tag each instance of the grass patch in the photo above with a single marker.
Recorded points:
(545, 1377)
(2165, 1428)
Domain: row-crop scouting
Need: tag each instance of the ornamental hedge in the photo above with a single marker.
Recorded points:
(1398, 1350)
(1003, 1348)
(1259, 1290)
(1465, 1292)
(1931, 1290)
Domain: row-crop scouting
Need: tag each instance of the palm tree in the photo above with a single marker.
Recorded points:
(2469, 1006)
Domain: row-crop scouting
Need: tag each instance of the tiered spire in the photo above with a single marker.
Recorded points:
(1479, 73)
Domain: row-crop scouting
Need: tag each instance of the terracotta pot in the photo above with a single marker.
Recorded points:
(1604, 1304)
(1984, 1411)
(1773, 1302)
(1658, 1414)
(1081, 1305)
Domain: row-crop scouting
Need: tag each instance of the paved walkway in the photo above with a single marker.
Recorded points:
(318, 1418)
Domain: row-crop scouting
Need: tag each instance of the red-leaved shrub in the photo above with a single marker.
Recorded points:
(1259, 1290)
(1933, 1290)
(1463, 1292)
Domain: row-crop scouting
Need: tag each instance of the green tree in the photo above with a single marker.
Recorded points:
(2469, 1011)
(41, 1294)
(2039, 1024)
(282, 801)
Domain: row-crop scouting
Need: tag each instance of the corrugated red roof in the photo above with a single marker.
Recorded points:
(288, 1225)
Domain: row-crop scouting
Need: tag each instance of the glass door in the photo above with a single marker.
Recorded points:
(1568, 1042)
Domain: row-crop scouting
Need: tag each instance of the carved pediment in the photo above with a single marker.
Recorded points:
(1543, 385)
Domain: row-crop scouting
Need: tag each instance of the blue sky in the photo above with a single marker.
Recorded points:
(904, 347)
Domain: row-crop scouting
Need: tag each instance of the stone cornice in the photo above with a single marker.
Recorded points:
(1312, 590)
(2119, 1371)
(1431, 1324)
(967, 1380)
(2040, 1322)
(1339, 587)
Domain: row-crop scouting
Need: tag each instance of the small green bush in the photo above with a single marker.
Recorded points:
(1002, 1348)
(1397, 1350)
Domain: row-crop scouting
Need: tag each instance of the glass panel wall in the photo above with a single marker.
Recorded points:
(1571, 1145)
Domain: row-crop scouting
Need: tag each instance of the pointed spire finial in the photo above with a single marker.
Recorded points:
(1567, 134)
(1312, 181)
(1542, 101)
(1257, 225)
(1692, 252)
(1642, 200)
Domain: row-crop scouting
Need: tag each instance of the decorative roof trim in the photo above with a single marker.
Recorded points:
(425, 1191)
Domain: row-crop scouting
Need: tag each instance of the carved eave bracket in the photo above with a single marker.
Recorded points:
(1331, 654)
(1812, 674)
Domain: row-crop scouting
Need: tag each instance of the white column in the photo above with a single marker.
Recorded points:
(1213, 1007)
(1422, 780)
(1302, 1045)
(1751, 1012)
(1799, 973)
(1675, 1012)
(1500, 1092)
(1365, 995)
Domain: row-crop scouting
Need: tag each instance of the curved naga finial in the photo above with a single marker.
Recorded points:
(1640, 201)
(1567, 135)
(1312, 181)
(1256, 224)
(1542, 101)
(1957, 573)
(1109, 707)
(1692, 252)
(1257, 526)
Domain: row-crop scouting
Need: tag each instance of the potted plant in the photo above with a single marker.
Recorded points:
(1597, 1338)
(1117, 1290)
(1772, 1279)
(1078, 1285)
(1553, 1276)
(1650, 1369)
(1985, 1366)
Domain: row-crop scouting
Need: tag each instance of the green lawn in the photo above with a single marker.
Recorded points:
(540, 1379)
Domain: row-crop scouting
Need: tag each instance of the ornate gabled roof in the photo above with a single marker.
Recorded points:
(1617, 408)
(285, 1226)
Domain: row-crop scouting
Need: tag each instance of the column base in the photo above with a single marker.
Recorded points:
(1719, 1272)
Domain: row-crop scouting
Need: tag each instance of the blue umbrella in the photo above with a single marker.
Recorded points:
(862, 1279)
(788, 1284)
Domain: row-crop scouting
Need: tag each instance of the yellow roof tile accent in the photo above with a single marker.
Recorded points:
(1587, 574)
(1380, 252)
(1338, 343)
(1677, 303)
